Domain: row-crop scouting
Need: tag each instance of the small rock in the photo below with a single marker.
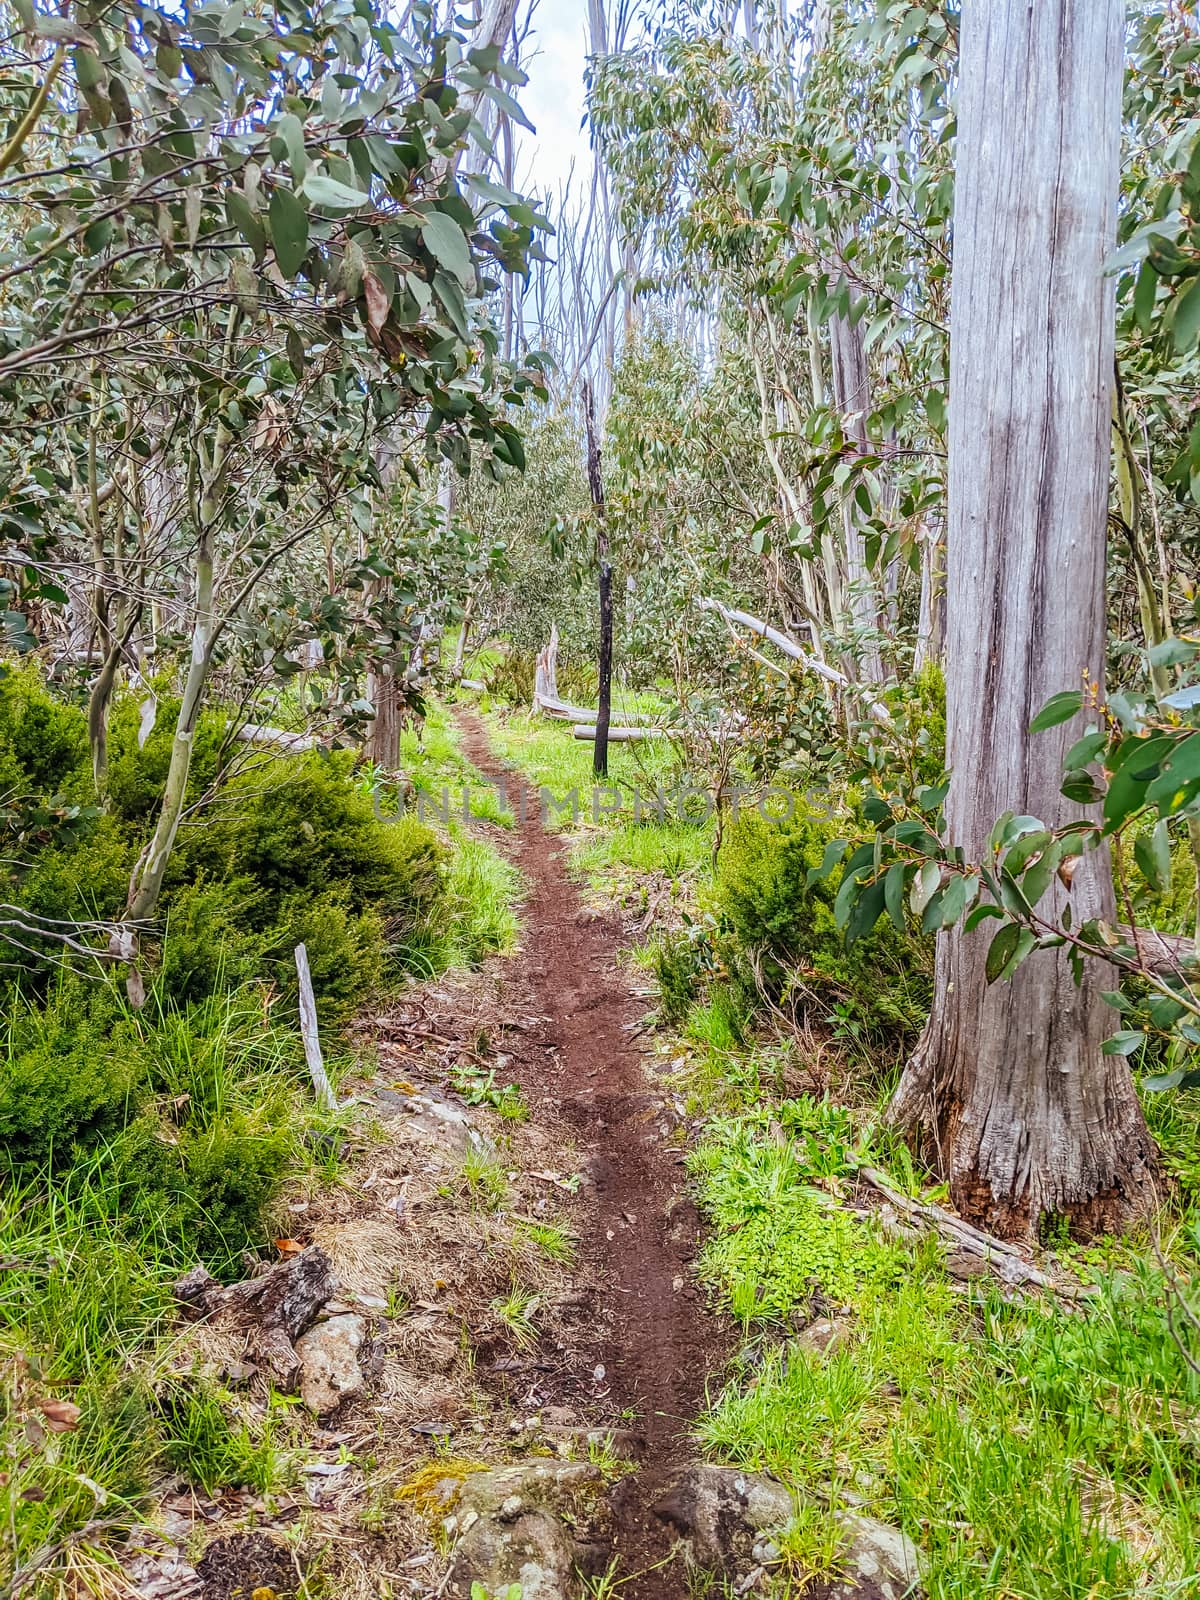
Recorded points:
(329, 1368)
(721, 1512)
(536, 1552)
(517, 1526)
(879, 1559)
(823, 1335)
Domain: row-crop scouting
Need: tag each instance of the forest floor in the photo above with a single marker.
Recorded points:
(570, 1378)
(511, 1223)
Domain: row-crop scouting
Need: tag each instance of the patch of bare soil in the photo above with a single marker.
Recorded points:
(638, 1231)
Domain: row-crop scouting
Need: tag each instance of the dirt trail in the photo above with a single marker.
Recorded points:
(656, 1343)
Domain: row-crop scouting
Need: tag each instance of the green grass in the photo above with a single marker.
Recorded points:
(89, 1252)
(1032, 1452)
(549, 757)
(553, 1242)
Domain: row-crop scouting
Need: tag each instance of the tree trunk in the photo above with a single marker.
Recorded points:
(596, 484)
(851, 396)
(1025, 1117)
(385, 690)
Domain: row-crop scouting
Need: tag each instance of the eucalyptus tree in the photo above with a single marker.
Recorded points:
(1027, 1115)
(249, 234)
(800, 179)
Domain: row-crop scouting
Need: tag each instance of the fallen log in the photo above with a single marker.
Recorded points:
(618, 735)
(477, 684)
(1162, 953)
(271, 1310)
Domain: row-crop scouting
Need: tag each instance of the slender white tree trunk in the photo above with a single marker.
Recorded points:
(1024, 1113)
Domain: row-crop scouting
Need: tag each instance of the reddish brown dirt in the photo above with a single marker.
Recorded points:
(639, 1233)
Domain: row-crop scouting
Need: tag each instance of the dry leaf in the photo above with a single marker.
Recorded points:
(62, 1416)
(379, 305)
(288, 1247)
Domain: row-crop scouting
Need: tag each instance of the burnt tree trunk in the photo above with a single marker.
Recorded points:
(1023, 1113)
(596, 485)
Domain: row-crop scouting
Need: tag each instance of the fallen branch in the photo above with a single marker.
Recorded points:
(794, 652)
(1159, 952)
(1004, 1259)
(280, 738)
(587, 730)
(308, 1032)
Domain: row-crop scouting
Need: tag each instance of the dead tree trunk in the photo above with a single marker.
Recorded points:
(596, 485)
(1025, 1115)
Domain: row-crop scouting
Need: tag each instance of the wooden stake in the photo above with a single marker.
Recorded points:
(308, 1030)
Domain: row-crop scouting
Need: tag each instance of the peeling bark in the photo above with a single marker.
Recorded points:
(1021, 1111)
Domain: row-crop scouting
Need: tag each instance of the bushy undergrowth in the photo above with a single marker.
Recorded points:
(776, 913)
(162, 1139)
(780, 1245)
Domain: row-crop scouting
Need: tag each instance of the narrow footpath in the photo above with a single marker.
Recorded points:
(640, 1234)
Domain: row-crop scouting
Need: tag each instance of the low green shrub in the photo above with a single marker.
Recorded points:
(345, 948)
(778, 1243)
(137, 773)
(777, 919)
(211, 943)
(678, 973)
(43, 742)
(85, 880)
(74, 1071)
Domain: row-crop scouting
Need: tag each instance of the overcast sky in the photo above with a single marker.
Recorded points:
(553, 97)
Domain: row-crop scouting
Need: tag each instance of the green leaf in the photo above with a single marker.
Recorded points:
(1059, 708)
(331, 195)
(488, 190)
(289, 231)
(893, 894)
(248, 223)
(1026, 943)
(1144, 293)
(1152, 852)
(847, 894)
(1084, 751)
(925, 885)
(1185, 316)
(1000, 949)
(1040, 876)
(1029, 844)
(1180, 769)
(867, 911)
(505, 102)
(981, 914)
(834, 851)
(954, 900)
(1172, 653)
(1129, 785)
(931, 917)
(1124, 1043)
(1168, 1080)
(447, 243)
